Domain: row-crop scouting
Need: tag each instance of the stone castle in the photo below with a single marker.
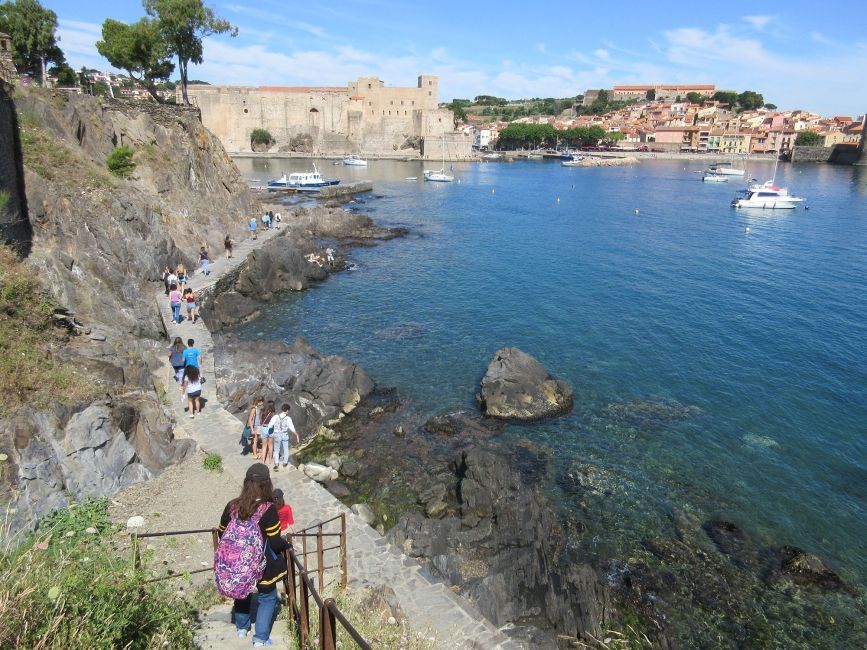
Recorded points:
(364, 117)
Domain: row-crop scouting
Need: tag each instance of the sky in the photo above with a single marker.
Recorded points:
(797, 54)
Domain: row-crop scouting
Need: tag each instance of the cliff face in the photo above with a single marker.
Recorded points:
(97, 242)
(97, 239)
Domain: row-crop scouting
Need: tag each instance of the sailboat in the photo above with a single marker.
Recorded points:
(440, 175)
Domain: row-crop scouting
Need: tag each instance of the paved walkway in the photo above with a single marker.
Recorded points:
(430, 607)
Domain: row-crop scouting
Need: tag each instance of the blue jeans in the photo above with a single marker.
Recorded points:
(205, 266)
(281, 446)
(176, 312)
(267, 602)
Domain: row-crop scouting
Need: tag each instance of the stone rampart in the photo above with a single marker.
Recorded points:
(15, 228)
(811, 154)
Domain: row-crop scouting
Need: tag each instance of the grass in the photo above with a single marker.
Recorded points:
(30, 372)
(370, 621)
(213, 463)
(65, 587)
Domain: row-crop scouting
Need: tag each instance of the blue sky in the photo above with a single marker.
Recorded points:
(798, 54)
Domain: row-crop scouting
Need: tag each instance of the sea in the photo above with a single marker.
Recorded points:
(718, 355)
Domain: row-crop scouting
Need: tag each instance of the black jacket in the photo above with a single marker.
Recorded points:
(269, 524)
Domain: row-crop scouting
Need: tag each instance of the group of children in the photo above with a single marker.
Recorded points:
(269, 220)
(268, 430)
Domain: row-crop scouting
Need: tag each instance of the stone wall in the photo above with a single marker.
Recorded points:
(14, 226)
(811, 154)
(365, 116)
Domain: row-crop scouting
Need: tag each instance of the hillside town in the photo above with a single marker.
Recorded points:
(661, 118)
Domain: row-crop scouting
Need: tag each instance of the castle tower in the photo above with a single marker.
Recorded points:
(8, 73)
(430, 85)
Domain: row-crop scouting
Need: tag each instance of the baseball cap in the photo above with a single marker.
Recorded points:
(258, 472)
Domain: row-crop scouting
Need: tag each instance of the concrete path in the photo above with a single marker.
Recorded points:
(429, 606)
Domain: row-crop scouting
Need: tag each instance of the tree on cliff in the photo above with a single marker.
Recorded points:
(139, 49)
(32, 28)
(183, 24)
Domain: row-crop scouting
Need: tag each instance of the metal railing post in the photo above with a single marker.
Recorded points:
(215, 538)
(304, 624)
(320, 559)
(136, 556)
(327, 626)
(344, 577)
(304, 551)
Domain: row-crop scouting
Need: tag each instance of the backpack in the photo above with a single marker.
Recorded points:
(239, 560)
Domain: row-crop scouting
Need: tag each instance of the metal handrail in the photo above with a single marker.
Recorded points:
(300, 588)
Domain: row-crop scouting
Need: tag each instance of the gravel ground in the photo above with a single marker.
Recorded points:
(184, 497)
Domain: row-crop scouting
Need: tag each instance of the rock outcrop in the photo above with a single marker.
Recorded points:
(517, 387)
(320, 389)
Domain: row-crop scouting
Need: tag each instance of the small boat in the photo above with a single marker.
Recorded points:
(411, 178)
(714, 178)
(303, 180)
(573, 161)
(492, 156)
(725, 169)
(355, 161)
(534, 156)
(438, 176)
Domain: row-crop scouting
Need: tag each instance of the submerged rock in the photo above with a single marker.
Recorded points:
(516, 386)
(806, 569)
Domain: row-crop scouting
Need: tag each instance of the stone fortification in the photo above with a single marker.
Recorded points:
(364, 116)
(14, 227)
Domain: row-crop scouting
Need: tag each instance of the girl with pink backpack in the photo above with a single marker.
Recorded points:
(249, 555)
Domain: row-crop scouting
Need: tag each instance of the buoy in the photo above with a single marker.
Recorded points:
(636, 210)
(806, 207)
(558, 199)
(493, 191)
(459, 181)
(747, 230)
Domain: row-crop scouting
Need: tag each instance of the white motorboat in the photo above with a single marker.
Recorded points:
(574, 160)
(302, 180)
(714, 178)
(355, 161)
(767, 197)
(492, 156)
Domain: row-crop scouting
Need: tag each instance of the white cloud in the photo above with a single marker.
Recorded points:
(758, 22)
(602, 54)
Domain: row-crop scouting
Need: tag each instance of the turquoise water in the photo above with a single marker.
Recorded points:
(638, 285)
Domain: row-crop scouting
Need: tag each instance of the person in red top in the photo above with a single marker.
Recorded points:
(284, 512)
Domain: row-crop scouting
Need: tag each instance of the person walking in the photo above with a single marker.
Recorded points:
(266, 434)
(176, 358)
(181, 272)
(254, 421)
(175, 302)
(255, 504)
(190, 302)
(282, 426)
(167, 273)
(266, 221)
(193, 357)
(227, 244)
(253, 227)
(192, 388)
(204, 261)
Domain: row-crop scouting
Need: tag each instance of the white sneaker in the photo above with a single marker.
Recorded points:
(242, 633)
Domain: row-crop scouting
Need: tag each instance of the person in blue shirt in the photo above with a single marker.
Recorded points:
(192, 354)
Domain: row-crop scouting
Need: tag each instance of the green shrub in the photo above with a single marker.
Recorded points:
(213, 463)
(120, 161)
(261, 136)
(66, 588)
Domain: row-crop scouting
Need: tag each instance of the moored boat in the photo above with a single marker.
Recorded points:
(574, 160)
(303, 180)
(355, 161)
(714, 178)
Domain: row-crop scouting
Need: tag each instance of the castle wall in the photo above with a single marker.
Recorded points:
(364, 117)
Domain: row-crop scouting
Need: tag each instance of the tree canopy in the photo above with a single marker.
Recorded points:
(808, 139)
(183, 24)
(749, 100)
(695, 98)
(139, 49)
(32, 30)
(545, 135)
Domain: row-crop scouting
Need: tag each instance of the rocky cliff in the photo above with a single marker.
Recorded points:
(97, 242)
